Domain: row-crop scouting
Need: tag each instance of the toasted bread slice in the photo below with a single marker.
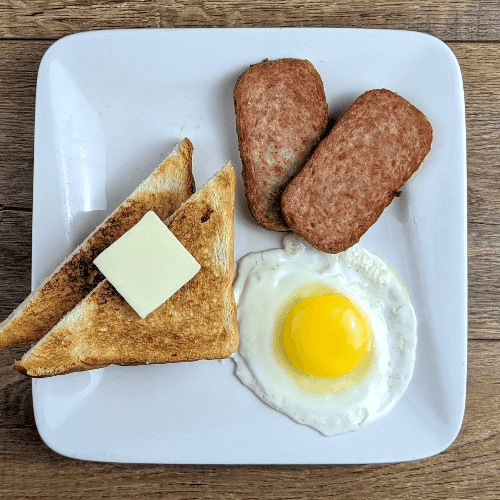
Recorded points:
(169, 185)
(357, 170)
(197, 322)
(281, 113)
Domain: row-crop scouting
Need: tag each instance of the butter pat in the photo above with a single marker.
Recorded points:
(147, 265)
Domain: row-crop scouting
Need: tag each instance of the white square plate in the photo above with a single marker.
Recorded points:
(111, 104)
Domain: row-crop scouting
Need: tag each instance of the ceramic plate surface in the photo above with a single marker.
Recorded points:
(111, 104)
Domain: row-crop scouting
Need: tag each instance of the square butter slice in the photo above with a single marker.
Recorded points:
(147, 265)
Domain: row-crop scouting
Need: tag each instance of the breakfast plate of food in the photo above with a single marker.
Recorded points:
(249, 246)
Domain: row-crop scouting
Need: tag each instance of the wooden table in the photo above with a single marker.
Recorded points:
(470, 467)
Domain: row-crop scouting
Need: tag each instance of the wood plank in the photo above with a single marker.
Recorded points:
(466, 470)
(484, 280)
(15, 259)
(481, 75)
(451, 20)
(18, 71)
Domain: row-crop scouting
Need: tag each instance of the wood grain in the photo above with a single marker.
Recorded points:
(18, 70)
(15, 259)
(481, 75)
(451, 20)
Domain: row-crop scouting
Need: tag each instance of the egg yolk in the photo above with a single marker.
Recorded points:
(325, 336)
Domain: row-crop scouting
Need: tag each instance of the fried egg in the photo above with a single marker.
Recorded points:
(327, 339)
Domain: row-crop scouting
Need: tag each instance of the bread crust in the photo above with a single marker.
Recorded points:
(357, 170)
(281, 113)
(197, 322)
(169, 185)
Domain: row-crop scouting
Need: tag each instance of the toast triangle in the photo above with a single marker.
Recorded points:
(169, 185)
(197, 322)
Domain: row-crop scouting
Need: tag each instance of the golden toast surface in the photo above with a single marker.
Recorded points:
(197, 322)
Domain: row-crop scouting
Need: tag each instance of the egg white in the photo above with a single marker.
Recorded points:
(268, 280)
